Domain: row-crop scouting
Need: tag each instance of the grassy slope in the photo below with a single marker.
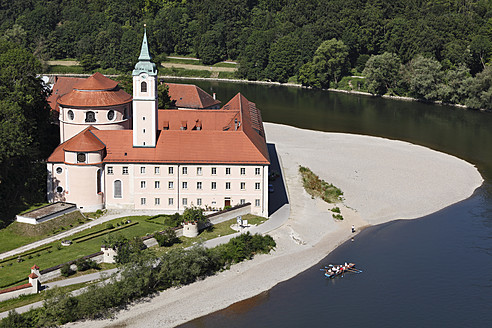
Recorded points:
(18, 234)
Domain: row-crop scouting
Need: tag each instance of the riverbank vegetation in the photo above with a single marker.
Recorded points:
(443, 44)
(143, 276)
(317, 187)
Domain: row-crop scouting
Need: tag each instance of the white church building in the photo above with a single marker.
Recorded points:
(122, 151)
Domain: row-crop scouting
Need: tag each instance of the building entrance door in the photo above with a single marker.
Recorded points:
(227, 201)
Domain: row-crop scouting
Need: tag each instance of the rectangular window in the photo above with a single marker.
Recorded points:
(242, 201)
(243, 171)
(257, 186)
(214, 185)
(170, 185)
(228, 170)
(185, 170)
(110, 170)
(214, 170)
(228, 185)
(143, 184)
(243, 185)
(170, 201)
(142, 201)
(142, 169)
(199, 185)
(157, 201)
(185, 201)
(199, 201)
(198, 171)
(170, 170)
(157, 184)
(125, 170)
(185, 185)
(257, 202)
(157, 170)
(257, 171)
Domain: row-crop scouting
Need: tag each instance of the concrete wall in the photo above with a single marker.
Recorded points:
(16, 293)
(24, 219)
(230, 214)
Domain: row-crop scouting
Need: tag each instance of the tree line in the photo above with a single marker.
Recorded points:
(271, 39)
(143, 275)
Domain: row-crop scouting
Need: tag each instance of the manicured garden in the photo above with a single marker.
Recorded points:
(14, 270)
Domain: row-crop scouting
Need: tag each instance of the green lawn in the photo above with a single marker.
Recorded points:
(12, 271)
(32, 298)
(19, 234)
(197, 62)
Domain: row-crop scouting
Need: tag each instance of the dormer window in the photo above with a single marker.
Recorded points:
(184, 125)
(143, 86)
(198, 125)
(90, 117)
(165, 125)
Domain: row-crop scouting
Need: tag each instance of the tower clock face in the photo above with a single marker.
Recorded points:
(144, 76)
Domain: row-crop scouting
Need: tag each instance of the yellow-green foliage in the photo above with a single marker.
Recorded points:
(319, 188)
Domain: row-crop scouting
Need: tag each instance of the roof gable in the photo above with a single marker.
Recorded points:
(190, 96)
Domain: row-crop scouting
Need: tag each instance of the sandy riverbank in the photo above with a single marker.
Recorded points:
(382, 180)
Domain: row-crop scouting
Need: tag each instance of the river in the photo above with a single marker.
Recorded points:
(428, 272)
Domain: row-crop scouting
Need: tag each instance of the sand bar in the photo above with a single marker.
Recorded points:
(382, 180)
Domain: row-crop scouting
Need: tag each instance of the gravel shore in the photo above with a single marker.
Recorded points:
(382, 180)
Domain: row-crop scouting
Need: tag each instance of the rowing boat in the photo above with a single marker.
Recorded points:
(332, 271)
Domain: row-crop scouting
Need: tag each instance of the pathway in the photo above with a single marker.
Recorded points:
(199, 67)
(110, 215)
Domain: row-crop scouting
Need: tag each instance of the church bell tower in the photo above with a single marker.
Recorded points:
(145, 99)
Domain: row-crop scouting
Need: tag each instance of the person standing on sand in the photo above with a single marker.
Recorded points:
(353, 228)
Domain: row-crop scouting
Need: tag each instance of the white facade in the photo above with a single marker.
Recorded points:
(172, 188)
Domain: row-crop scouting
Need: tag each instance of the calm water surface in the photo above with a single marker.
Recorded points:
(432, 272)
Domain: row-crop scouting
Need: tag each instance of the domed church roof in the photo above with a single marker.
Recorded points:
(95, 91)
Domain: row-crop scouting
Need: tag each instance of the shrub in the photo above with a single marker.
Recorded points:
(109, 226)
(86, 264)
(166, 238)
(338, 217)
(66, 270)
(336, 209)
(193, 213)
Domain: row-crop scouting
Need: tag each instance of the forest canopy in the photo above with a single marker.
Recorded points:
(270, 38)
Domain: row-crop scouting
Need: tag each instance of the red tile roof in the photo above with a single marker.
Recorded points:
(96, 82)
(85, 141)
(11, 289)
(62, 86)
(33, 275)
(220, 140)
(191, 96)
(95, 91)
(34, 267)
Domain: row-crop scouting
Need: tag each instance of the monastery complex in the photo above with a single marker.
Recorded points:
(119, 151)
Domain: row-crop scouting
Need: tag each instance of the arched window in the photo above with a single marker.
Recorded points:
(143, 87)
(117, 189)
(71, 115)
(98, 177)
(90, 117)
